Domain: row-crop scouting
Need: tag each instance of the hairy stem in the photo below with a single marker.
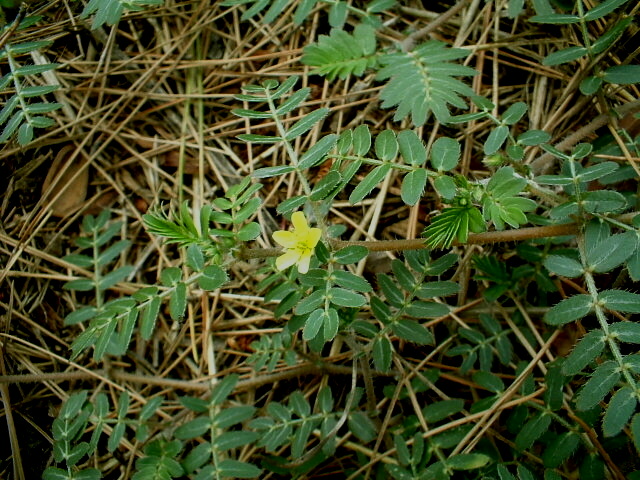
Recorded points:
(418, 243)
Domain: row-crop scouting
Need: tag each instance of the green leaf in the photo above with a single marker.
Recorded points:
(386, 146)
(170, 276)
(317, 152)
(381, 352)
(12, 125)
(361, 140)
(515, 152)
(453, 224)
(404, 456)
(468, 461)
(73, 405)
(628, 332)
(195, 258)
(247, 210)
(438, 289)
(36, 91)
(341, 54)
(562, 447)
(243, 112)
(604, 8)
(345, 298)
(622, 74)
(267, 172)
(229, 440)
(231, 416)
(505, 183)
(564, 56)
(607, 255)
(413, 185)
(249, 232)
(25, 133)
(213, 277)
(533, 137)
(597, 171)
(81, 285)
(253, 138)
(310, 302)
(326, 185)
(351, 281)
(488, 381)
(427, 72)
(609, 37)
(568, 310)
(532, 430)
(635, 430)
(601, 382)
(331, 324)
(197, 457)
(467, 117)
(291, 204)
(445, 186)
(338, 14)
(603, 201)
(373, 178)
(80, 315)
(105, 256)
(412, 149)
(237, 469)
(350, 254)
(404, 277)
(514, 113)
(306, 123)
(223, 389)
(586, 351)
(503, 473)
(565, 266)
(421, 310)
(178, 302)
(445, 154)
(390, 290)
(362, 427)
(621, 407)
(412, 331)
(293, 101)
(312, 324)
(590, 85)
(438, 411)
(496, 139)
(53, 473)
(8, 108)
(554, 380)
(116, 435)
(620, 301)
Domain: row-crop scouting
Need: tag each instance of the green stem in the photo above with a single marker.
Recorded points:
(293, 157)
(604, 325)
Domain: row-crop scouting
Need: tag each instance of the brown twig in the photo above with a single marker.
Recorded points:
(418, 243)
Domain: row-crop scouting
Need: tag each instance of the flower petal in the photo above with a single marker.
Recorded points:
(299, 222)
(313, 237)
(289, 258)
(303, 263)
(284, 238)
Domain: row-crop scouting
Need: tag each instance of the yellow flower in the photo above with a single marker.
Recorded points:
(298, 244)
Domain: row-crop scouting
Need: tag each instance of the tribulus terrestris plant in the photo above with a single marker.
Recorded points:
(431, 357)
